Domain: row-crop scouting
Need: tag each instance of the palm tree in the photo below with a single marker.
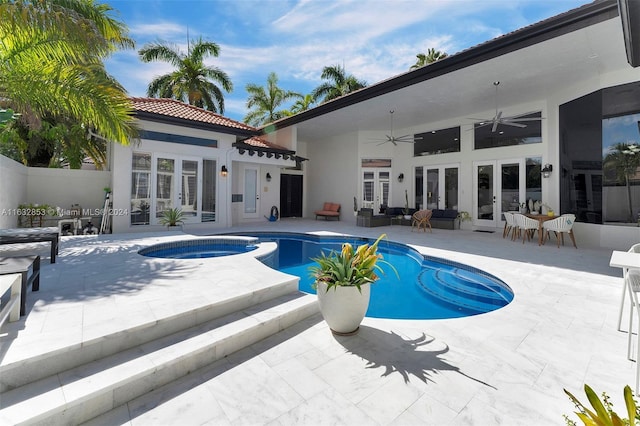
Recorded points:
(192, 81)
(620, 164)
(303, 104)
(341, 84)
(51, 62)
(431, 57)
(263, 102)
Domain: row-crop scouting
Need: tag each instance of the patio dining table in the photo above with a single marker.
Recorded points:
(541, 218)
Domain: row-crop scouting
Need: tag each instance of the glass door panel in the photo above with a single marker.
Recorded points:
(509, 187)
(419, 189)
(165, 185)
(189, 195)
(451, 188)
(368, 184)
(251, 197)
(209, 179)
(433, 188)
(383, 191)
(484, 183)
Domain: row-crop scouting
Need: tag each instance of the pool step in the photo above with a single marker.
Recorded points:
(454, 289)
(89, 390)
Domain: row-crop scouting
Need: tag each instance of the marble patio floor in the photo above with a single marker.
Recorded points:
(506, 367)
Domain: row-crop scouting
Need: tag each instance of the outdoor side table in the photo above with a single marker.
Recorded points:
(22, 265)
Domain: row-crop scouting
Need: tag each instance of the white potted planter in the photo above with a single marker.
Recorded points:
(343, 283)
(342, 307)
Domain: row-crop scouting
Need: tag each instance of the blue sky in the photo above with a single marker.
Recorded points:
(373, 39)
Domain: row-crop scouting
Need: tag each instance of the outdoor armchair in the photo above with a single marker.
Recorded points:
(421, 219)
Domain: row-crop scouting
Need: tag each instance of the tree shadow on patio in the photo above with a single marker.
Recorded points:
(407, 357)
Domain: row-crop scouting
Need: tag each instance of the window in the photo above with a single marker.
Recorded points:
(506, 135)
(600, 164)
(140, 188)
(437, 142)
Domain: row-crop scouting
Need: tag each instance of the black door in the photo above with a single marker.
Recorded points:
(290, 195)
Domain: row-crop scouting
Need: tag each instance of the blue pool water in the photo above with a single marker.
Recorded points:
(425, 288)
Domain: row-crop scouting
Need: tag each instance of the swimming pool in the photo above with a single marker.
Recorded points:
(427, 287)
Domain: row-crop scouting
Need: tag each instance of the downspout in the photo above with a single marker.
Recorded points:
(229, 188)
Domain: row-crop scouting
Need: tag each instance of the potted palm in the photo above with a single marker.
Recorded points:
(172, 217)
(342, 281)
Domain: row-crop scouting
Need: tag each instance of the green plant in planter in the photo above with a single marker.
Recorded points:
(464, 216)
(349, 267)
(172, 217)
(603, 414)
(349, 272)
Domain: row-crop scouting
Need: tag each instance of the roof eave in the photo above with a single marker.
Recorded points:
(630, 18)
(582, 17)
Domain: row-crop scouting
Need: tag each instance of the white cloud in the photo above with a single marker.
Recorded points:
(374, 39)
(161, 30)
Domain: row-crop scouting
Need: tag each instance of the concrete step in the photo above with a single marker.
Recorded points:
(47, 360)
(82, 393)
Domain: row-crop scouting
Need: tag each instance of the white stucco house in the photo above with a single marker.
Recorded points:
(572, 77)
(216, 170)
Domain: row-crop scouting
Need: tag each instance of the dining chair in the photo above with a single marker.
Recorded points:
(625, 272)
(526, 224)
(508, 224)
(560, 226)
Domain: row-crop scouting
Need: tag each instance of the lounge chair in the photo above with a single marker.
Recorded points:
(329, 210)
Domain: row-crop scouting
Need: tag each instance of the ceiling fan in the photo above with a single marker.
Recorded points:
(512, 120)
(395, 139)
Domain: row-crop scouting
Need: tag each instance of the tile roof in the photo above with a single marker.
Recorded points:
(177, 109)
(259, 142)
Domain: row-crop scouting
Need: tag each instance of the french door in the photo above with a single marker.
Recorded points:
(441, 187)
(501, 186)
(376, 188)
(178, 184)
(251, 196)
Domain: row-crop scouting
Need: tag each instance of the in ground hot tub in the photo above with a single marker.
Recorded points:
(201, 248)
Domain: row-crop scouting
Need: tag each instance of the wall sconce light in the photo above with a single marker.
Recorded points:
(268, 177)
(223, 171)
(546, 170)
(400, 177)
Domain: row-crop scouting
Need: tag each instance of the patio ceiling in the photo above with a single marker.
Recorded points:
(527, 74)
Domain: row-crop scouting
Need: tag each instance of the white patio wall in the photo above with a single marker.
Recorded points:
(13, 190)
(333, 175)
(55, 187)
(63, 187)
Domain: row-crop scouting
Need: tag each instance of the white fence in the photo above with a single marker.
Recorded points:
(55, 187)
